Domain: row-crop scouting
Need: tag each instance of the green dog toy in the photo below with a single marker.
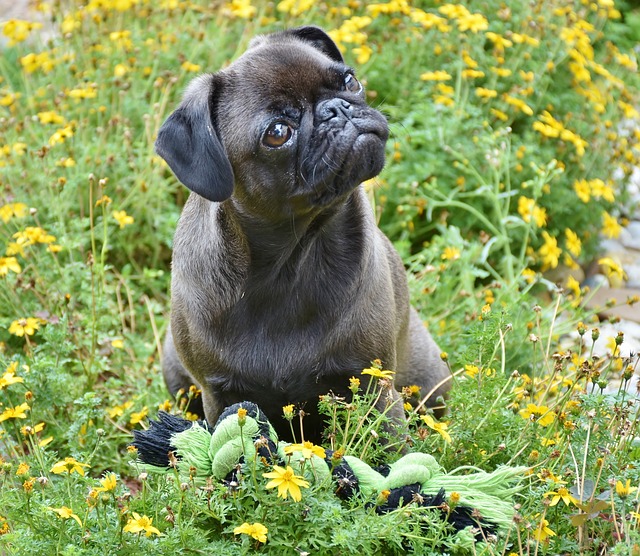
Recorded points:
(483, 499)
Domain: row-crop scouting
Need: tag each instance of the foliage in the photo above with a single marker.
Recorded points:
(510, 156)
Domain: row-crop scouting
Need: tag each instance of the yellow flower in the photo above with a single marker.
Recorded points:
(25, 326)
(286, 481)
(624, 489)
(118, 410)
(574, 286)
(543, 532)
(256, 531)
(69, 465)
(439, 75)
(139, 416)
(472, 74)
(23, 469)
(378, 373)
(561, 494)
(519, 104)
(32, 235)
(108, 483)
(50, 117)
(12, 210)
(482, 92)
(471, 370)
(188, 66)
(66, 513)
(354, 384)
(9, 377)
(9, 264)
(499, 114)
(307, 448)
(499, 41)
(573, 243)
(138, 524)
(472, 22)
(29, 430)
(32, 62)
(121, 38)
(450, 254)
(599, 189)
(610, 226)
(90, 91)
(549, 251)
(583, 190)
(17, 30)
(61, 135)
(295, 7)
(122, 218)
(120, 70)
(363, 53)
(612, 269)
(240, 8)
(287, 411)
(541, 414)
(440, 428)
(18, 412)
(528, 209)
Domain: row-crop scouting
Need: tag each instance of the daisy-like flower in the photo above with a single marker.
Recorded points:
(9, 264)
(138, 524)
(307, 448)
(624, 489)
(108, 483)
(122, 218)
(9, 377)
(543, 532)
(66, 513)
(612, 269)
(18, 412)
(610, 226)
(440, 428)
(561, 494)
(541, 414)
(549, 251)
(139, 416)
(287, 412)
(256, 531)
(23, 469)
(378, 373)
(69, 465)
(286, 481)
(450, 254)
(242, 416)
(13, 210)
(24, 327)
(438, 75)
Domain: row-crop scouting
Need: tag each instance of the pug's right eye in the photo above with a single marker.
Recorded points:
(277, 134)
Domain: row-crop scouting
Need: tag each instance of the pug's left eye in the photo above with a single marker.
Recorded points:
(277, 134)
(351, 84)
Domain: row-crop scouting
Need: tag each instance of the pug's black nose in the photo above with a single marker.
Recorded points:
(332, 108)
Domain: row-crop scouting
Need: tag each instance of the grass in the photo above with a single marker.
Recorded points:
(484, 195)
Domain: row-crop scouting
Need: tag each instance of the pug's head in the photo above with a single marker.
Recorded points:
(285, 129)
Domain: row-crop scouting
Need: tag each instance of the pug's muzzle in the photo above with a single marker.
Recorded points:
(346, 148)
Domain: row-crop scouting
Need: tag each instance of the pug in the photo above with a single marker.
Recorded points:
(283, 287)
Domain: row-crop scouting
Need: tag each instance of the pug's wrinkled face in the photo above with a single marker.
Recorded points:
(299, 127)
(284, 130)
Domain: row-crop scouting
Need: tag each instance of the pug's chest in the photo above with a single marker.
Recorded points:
(287, 361)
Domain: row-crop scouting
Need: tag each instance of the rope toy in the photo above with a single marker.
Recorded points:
(199, 452)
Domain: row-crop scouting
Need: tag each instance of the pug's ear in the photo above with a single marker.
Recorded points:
(318, 39)
(188, 141)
